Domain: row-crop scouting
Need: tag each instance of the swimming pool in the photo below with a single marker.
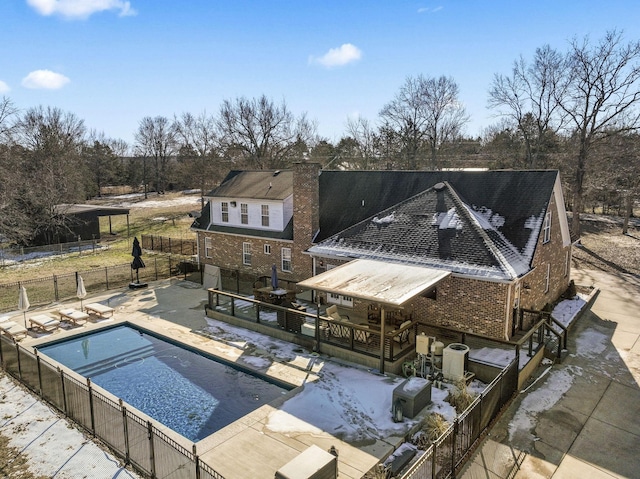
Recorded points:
(192, 394)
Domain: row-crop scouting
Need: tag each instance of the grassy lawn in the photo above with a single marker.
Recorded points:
(165, 215)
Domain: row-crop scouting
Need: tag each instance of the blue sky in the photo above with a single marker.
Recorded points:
(113, 62)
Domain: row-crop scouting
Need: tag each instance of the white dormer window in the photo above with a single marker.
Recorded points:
(265, 215)
(546, 228)
(224, 209)
(244, 213)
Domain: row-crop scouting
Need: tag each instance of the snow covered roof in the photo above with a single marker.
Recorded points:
(384, 283)
(438, 229)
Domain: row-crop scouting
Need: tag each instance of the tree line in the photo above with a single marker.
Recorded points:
(575, 110)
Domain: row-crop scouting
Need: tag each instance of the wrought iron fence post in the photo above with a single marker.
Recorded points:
(64, 393)
(196, 459)
(233, 306)
(106, 277)
(155, 263)
(93, 418)
(125, 430)
(56, 293)
(453, 447)
(19, 362)
(152, 458)
(39, 367)
(434, 457)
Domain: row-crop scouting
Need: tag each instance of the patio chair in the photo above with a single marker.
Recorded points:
(44, 322)
(332, 312)
(73, 316)
(14, 330)
(362, 336)
(403, 337)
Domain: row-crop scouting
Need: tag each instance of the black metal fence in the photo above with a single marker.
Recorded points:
(165, 244)
(62, 287)
(10, 256)
(134, 439)
(449, 452)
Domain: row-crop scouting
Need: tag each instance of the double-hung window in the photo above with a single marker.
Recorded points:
(546, 228)
(246, 253)
(286, 259)
(244, 213)
(208, 247)
(265, 215)
(224, 209)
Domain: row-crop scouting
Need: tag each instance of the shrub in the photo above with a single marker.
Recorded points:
(460, 397)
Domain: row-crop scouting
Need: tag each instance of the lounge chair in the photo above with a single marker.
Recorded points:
(73, 315)
(44, 322)
(99, 309)
(14, 330)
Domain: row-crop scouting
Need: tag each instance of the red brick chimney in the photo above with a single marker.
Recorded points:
(306, 211)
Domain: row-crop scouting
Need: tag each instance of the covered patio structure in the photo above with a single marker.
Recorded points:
(386, 286)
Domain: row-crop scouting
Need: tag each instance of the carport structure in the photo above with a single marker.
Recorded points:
(390, 286)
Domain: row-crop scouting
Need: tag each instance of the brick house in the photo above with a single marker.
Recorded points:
(502, 235)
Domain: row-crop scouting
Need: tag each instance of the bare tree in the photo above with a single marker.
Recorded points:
(424, 114)
(14, 220)
(600, 97)
(52, 167)
(367, 140)
(156, 138)
(528, 99)
(101, 160)
(446, 115)
(197, 145)
(8, 114)
(266, 133)
(405, 117)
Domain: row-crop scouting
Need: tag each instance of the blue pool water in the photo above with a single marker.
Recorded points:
(192, 394)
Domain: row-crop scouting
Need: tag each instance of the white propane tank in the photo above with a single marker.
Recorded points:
(453, 361)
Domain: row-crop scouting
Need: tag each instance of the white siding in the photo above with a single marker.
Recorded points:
(280, 212)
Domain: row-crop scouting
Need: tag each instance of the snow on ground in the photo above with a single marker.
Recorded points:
(54, 447)
(589, 343)
(566, 310)
(550, 392)
(136, 200)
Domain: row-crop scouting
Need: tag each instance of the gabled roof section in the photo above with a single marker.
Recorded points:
(439, 228)
(256, 184)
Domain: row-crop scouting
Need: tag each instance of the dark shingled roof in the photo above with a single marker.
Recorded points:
(491, 218)
(348, 197)
(257, 184)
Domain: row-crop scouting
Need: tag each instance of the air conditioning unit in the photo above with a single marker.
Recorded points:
(453, 361)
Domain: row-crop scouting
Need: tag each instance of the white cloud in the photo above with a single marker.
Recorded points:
(430, 10)
(80, 8)
(337, 57)
(44, 79)
(4, 88)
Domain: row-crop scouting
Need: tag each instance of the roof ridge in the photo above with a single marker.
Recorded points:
(491, 245)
